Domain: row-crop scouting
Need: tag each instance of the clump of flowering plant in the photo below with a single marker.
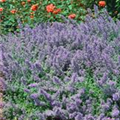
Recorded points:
(66, 71)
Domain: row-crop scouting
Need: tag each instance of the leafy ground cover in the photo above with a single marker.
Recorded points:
(63, 71)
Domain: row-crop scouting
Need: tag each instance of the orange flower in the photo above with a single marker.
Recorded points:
(2, 0)
(23, 3)
(28, 0)
(102, 3)
(13, 11)
(72, 16)
(50, 8)
(34, 7)
(1, 9)
(56, 11)
(31, 16)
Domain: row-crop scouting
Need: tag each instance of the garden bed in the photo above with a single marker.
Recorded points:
(64, 70)
(61, 61)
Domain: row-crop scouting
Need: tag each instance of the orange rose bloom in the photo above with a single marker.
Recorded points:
(102, 3)
(50, 8)
(1, 9)
(13, 11)
(57, 11)
(28, 0)
(23, 3)
(2, 0)
(34, 7)
(72, 16)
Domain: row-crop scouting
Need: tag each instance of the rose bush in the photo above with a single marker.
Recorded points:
(34, 11)
(38, 11)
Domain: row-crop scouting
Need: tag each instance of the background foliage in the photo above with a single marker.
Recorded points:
(9, 21)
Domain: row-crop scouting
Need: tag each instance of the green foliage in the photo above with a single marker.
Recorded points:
(9, 21)
(118, 5)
